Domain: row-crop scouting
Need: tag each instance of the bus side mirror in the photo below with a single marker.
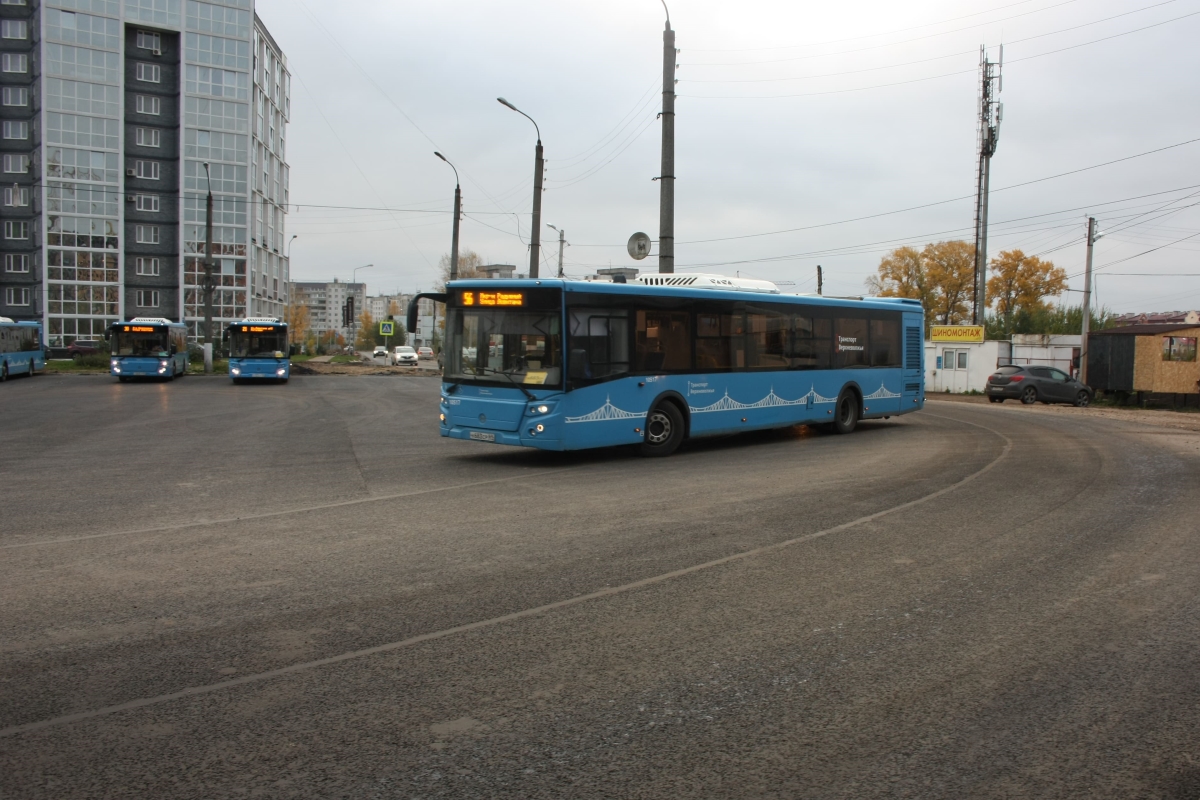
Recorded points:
(580, 362)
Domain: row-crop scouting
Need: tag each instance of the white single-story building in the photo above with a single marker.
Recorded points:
(960, 367)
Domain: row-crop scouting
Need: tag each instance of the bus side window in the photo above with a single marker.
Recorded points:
(812, 343)
(885, 343)
(663, 341)
(767, 340)
(720, 341)
(850, 342)
(600, 337)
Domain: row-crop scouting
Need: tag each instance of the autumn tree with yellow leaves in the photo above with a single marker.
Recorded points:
(941, 276)
(1019, 284)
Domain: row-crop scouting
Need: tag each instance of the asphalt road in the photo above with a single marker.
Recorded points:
(289, 591)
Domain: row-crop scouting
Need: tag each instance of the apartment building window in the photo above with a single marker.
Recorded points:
(147, 266)
(147, 170)
(16, 229)
(149, 137)
(14, 29)
(16, 129)
(16, 196)
(146, 234)
(14, 262)
(147, 202)
(149, 105)
(147, 298)
(16, 297)
(16, 62)
(150, 73)
(16, 162)
(16, 96)
(13, 3)
(149, 41)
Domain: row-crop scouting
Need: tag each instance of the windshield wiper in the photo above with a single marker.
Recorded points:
(524, 391)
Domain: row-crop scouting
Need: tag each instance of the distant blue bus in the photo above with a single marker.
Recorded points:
(567, 365)
(21, 351)
(258, 350)
(148, 347)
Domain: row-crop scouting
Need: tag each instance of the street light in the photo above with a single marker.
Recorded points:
(354, 282)
(535, 236)
(295, 236)
(562, 239)
(457, 214)
(208, 282)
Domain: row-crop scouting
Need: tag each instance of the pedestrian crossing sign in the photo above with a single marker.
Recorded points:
(387, 328)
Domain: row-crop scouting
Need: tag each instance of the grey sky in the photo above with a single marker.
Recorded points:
(793, 140)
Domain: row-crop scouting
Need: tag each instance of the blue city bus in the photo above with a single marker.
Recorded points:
(258, 350)
(148, 347)
(567, 365)
(21, 351)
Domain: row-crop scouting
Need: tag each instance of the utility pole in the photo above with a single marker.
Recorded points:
(666, 177)
(1092, 236)
(820, 280)
(990, 115)
(208, 282)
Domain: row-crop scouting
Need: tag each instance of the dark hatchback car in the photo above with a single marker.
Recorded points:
(1033, 383)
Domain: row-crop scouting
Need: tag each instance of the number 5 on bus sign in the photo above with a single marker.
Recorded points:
(386, 328)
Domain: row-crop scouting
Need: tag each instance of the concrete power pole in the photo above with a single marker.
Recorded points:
(666, 178)
(1092, 236)
(820, 280)
(990, 115)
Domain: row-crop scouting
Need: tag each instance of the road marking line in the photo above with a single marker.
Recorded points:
(516, 615)
(281, 513)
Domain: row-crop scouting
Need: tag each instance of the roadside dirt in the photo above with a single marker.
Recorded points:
(1179, 420)
(361, 368)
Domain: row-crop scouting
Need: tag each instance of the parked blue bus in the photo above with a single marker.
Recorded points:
(258, 350)
(148, 347)
(567, 365)
(21, 351)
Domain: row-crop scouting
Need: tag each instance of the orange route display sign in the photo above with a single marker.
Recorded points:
(956, 333)
(516, 299)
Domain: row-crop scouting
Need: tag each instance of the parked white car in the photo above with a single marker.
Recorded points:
(404, 356)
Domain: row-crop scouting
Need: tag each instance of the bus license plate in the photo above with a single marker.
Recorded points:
(483, 437)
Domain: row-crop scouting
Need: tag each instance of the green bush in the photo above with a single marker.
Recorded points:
(96, 360)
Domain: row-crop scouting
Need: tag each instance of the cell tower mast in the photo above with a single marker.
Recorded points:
(991, 113)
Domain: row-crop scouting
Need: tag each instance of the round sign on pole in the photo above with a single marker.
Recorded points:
(639, 246)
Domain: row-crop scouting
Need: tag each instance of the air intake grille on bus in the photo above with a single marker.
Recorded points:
(671, 280)
(912, 388)
(912, 348)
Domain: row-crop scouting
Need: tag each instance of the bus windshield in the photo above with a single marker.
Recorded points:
(503, 346)
(269, 343)
(141, 340)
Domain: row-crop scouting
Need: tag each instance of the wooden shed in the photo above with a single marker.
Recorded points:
(1154, 359)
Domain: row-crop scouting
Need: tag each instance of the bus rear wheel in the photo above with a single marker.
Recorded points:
(664, 430)
(845, 418)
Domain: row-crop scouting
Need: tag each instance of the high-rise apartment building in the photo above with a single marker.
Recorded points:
(326, 304)
(111, 111)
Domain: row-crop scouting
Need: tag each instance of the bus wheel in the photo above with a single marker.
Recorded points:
(664, 431)
(845, 419)
(4, 371)
(122, 379)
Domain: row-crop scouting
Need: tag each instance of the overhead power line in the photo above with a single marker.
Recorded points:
(932, 77)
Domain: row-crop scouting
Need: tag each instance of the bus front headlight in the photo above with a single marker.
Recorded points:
(235, 370)
(280, 371)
